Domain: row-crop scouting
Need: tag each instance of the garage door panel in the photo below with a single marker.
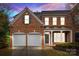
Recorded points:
(19, 40)
(34, 40)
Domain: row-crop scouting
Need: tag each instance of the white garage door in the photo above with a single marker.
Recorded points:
(19, 40)
(34, 40)
(59, 37)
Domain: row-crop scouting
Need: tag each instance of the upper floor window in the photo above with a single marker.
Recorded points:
(46, 20)
(26, 19)
(54, 20)
(76, 19)
(62, 20)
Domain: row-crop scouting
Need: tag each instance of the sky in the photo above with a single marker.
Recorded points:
(18, 7)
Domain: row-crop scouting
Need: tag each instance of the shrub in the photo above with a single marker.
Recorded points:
(64, 46)
(8, 39)
(5, 41)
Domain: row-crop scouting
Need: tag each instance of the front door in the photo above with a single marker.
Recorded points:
(47, 38)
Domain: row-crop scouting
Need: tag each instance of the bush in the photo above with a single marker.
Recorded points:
(8, 39)
(64, 46)
(2, 45)
(5, 41)
(3, 29)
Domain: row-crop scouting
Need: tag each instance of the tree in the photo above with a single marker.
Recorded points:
(5, 11)
(4, 21)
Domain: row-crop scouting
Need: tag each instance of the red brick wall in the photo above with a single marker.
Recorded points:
(20, 26)
(68, 21)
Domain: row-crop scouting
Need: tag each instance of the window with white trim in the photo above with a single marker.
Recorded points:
(54, 20)
(26, 19)
(62, 21)
(46, 20)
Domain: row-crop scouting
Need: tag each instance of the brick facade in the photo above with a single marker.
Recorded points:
(36, 26)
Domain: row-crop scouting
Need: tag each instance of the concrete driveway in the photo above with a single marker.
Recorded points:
(37, 51)
(32, 51)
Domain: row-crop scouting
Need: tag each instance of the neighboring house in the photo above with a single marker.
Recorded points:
(43, 29)
(75, 17)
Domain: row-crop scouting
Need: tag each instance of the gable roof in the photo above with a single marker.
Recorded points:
(22, 12)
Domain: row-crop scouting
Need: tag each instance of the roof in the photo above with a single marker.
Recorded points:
(22, 12)
(57, 12)
(74, 8)
(77, 4)
(38, 15)
(51, 13)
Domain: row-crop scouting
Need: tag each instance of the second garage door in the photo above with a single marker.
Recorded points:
(34, 39)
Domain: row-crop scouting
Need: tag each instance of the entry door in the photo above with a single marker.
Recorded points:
(47, 38)
(59, 37)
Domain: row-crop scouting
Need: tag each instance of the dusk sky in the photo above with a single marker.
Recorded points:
(17, 7)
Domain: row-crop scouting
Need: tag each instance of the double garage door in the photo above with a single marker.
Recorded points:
(33, 39)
